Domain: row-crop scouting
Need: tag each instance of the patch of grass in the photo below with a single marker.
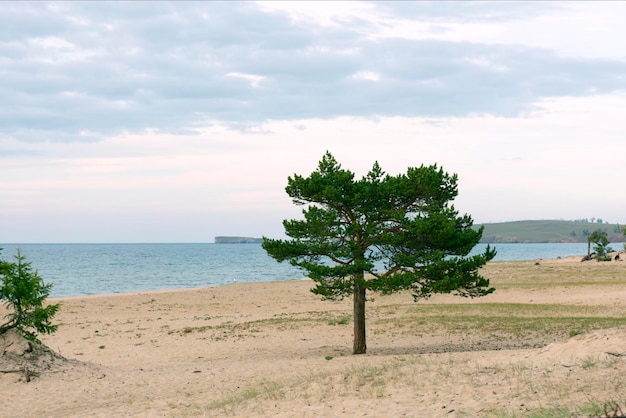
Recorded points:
(366, 381)
(575, 332)
(588, 363)
(246, 395)
(525, 275)
(408, 372)
(265, 391)
(587, 410)
(282, 321)
(551, 284)
(504, 319)
(370, 381)
(342, 320)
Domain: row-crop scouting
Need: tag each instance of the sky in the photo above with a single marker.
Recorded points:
(181, 121)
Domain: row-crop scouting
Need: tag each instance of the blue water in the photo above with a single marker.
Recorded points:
(83, 269)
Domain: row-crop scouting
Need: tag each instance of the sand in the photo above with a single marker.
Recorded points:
(275, 349)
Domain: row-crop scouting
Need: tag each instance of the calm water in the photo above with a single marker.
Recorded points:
(83, 269)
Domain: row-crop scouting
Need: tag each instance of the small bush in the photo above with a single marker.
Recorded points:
(575, 332)
(23, 292)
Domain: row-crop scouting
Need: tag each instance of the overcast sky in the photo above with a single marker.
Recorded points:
(177, 122)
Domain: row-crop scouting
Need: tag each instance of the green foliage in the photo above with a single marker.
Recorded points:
(23, 292)
(575, 332)
(403, 222)
(601, 247)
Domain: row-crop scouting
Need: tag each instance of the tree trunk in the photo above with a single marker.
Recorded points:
(359, 316)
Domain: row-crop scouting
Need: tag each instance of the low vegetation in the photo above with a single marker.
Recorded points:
(23, 293)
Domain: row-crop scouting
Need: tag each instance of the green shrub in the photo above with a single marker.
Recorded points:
(23, 292)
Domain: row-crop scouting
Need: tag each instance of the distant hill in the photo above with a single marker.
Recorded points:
(547, 231)
(238, 240)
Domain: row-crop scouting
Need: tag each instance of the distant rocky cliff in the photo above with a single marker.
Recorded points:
(238, 240)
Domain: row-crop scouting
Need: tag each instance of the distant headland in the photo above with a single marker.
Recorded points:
(238, 240)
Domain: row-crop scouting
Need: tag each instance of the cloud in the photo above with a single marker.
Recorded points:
(366, 75)
(254, 80)
(84, 71)
(168, 187)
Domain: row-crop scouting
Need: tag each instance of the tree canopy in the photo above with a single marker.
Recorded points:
(380, 233)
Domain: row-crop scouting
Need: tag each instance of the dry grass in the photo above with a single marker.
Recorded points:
(446, 333)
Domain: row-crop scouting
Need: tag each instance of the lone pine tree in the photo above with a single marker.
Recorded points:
(381, 233)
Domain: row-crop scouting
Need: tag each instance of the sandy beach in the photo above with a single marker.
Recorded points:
(551, 338)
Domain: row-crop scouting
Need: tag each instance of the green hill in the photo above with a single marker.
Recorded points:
(547, 231)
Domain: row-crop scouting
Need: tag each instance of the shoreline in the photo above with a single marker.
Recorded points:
(566, 259)
(109, 269)
(149, 292)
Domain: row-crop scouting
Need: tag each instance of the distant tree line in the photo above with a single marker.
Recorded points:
(585, 232)
(591, 221)
(616, 229)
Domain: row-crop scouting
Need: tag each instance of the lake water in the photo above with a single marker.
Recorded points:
(83, 269)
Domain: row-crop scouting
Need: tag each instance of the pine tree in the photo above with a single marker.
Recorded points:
(381, 233)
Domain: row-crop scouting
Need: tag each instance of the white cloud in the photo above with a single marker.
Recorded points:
(51, 42)
(56, 50)
(483, 62)
(366, 76)
(219, 169)
(254, 80)
(321, 13)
